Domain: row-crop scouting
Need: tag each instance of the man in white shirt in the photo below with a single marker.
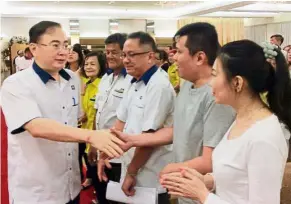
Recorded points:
(147, 107)
(41, 106)
(111, 89)
(25, 61)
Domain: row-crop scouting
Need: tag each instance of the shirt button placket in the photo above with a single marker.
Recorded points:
(64, 114)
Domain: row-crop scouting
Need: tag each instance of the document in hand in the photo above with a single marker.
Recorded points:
(142, 195)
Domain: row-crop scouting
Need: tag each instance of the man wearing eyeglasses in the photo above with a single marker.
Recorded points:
(41, 105)
(112, 87)
(146, 107)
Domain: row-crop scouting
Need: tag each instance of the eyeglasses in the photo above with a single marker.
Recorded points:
(57, 46)
(131, 54)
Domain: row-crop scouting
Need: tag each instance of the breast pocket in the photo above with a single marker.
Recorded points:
(138, 109)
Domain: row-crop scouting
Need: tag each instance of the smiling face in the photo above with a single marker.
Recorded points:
(189, 66)
(51, 50)
(113, 56)
(92, 67)
(137, 57)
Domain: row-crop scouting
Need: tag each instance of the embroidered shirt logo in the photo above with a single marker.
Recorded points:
(119, 90)
(73, 87)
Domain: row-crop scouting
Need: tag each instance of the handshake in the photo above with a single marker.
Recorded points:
(111, 144)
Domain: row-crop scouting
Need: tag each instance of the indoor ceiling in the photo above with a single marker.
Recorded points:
(143, 9)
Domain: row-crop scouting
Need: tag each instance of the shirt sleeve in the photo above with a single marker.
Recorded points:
(159, 107)
(217, 121)
(18, 104)
(265, 169)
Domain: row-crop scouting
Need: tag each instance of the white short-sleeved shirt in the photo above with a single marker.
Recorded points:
(23, 63)
(148, 105)
(164, 72)
(111, 91)
(250, 168)
(40, 170)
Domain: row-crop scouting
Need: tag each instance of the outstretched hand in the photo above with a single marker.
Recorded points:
(126, 138)
(107, 142)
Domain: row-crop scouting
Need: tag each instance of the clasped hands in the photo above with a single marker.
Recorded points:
(184, 182)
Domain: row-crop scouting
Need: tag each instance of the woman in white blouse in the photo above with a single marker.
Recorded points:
(249, 162)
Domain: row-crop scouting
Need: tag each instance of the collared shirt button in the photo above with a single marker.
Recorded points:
(66, 123)
(69, 154)
(63, 107)
(70, 168)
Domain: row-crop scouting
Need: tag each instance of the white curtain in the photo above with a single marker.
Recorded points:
(261, 33)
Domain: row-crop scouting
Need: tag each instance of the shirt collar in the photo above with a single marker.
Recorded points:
(45, 76)
(147, 75)
(110, 71)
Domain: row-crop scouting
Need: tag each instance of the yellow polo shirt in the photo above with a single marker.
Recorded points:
(173, 75)
(88, 101)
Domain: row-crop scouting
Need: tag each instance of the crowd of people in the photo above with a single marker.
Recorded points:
(220, 137)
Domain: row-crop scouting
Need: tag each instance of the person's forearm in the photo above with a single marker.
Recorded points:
(161, 137)
(119, 125)
(141, 156)
(53, 130)
(201, 164)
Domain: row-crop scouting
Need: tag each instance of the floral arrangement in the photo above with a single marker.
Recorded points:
(5, 49)
(6, 45)
(18, 39)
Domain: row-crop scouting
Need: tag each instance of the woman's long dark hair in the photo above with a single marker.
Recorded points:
(78, 49)
(101, 60)
(247, 59)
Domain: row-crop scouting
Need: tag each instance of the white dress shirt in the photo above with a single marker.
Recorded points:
(22, 63)
(249, 169)
(40, 170)
(111, 91)
(148, 105)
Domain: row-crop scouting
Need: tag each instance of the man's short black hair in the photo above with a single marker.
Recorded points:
(39, 29)
(201, 37)
(144, 39)
(118, 38)
(278, 38)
